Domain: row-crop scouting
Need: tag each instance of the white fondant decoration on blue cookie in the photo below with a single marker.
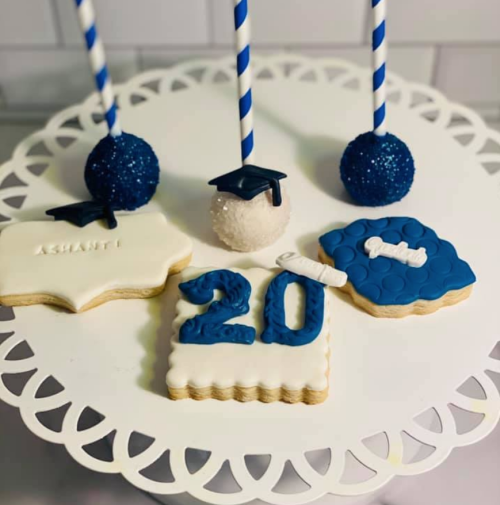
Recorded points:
(376, 247)
(389, 287)
(301, 265)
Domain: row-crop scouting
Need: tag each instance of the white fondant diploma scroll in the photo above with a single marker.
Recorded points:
(376, 247)
(301, 265)
(79, 264)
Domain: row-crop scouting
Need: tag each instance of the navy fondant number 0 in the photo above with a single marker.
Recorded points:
(276, 329)
(208, 328)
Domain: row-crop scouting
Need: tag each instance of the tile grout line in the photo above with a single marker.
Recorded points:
(267, 46)
(366, 25)
(435, 65)
(210, 23)
(140, 59)
(137, 60)
(56, 18)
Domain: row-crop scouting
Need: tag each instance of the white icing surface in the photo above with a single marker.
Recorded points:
(301, 265)
(78, 264)
(267, 365)
(376, 247)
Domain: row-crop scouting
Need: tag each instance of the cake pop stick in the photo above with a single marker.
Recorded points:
(379, 56)
(97, 59)
(242, 33)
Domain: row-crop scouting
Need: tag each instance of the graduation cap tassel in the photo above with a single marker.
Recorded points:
(275, 186)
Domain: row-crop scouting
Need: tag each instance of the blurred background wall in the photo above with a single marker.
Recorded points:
(451, 44)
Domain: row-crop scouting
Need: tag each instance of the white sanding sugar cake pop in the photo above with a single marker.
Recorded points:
(122, 171)
(250, 210)
(377, 168)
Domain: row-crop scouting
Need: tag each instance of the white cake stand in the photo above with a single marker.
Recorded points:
(393, 401)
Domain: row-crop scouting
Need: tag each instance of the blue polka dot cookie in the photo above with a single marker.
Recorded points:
(397, 266)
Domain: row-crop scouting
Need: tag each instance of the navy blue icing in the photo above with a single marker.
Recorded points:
(377, 170)
(276, 329)
(122, 172)
(387, 281)
(208, 328)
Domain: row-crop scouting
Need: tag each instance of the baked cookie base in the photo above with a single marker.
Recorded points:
(255, 393)
(298, 375)
(107, 296)
(419, 307)
(249, 394)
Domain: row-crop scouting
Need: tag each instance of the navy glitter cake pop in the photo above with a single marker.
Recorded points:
(377, 170)
(122, 172)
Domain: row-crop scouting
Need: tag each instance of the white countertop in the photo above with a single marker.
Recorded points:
(34, 472)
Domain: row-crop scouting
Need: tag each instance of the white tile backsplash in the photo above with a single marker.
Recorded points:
(412, 63)
(295, 21)
(145, 23)
(444, 20)
(470, 74)
(55, 77)
(454, 44)
(27, 22)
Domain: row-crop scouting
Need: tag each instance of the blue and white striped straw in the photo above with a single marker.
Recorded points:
(242, 30)
(379, 56)
(97, 59)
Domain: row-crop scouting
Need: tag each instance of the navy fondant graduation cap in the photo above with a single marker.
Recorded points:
(83, 213)
(249, 181)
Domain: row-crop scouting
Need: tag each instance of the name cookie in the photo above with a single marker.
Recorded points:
(250, 343)
(397, 266)
(58, 263)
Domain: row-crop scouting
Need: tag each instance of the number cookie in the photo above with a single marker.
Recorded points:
(397, 266)
(271, 347)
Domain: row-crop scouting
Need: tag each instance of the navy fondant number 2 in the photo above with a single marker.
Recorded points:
(208, 328)
(276, 329)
